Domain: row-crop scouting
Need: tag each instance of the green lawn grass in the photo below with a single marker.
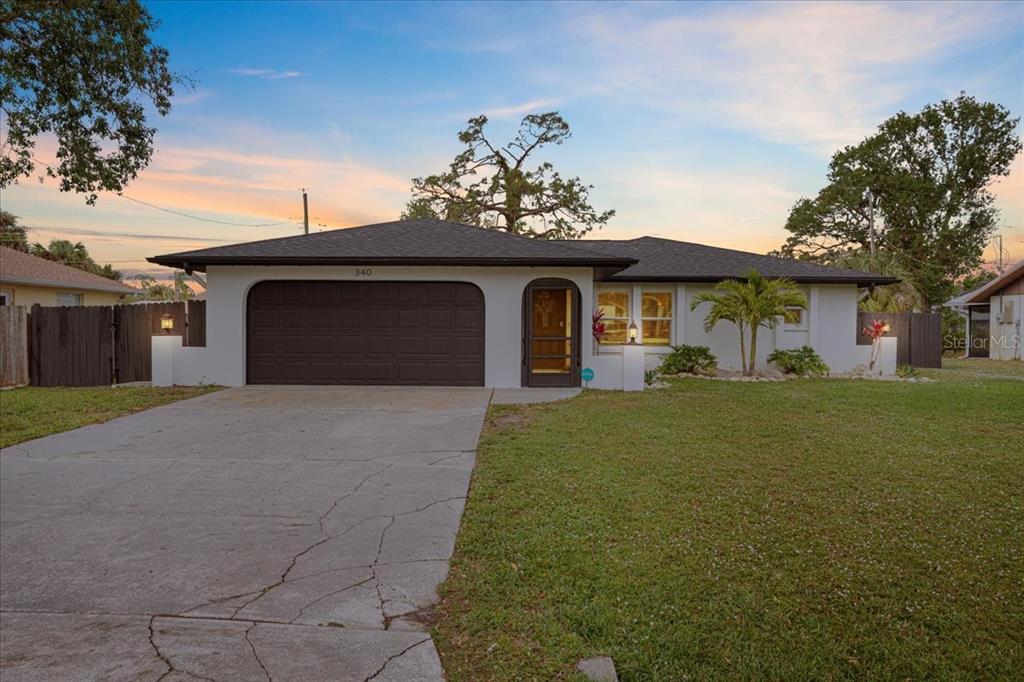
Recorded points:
(811, 529)
(31, 412)
(983, 367)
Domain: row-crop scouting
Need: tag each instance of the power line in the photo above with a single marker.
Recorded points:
(195, 217)
(179, 213)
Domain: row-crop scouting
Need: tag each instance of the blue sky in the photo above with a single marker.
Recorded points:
(702, 122)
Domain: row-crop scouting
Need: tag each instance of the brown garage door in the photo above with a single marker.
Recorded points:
(397, 333)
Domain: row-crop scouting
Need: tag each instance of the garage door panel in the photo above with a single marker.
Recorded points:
(468, 319)
(366, 333)
(409, 319)
(262, 318)
(466, 345)
(439, 319)
(323, 318)
(351, 319)
(382, 318)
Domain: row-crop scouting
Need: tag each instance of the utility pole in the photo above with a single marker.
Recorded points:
(305, 212)
(872, 202)
(1000, 254)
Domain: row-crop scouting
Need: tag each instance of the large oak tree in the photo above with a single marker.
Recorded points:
(930, 173)
(503, 187)
(85, 72)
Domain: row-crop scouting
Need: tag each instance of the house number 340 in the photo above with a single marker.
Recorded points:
(363, 272)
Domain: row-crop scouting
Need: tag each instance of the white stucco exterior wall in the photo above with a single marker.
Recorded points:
(222, 360)
(829, 326)
(1007, 331)
(830, 323)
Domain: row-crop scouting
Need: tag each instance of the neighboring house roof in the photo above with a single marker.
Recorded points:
(17, 267)
(1012, 274)
(667, 260)
(403, 242)
(960, 301)
(436, 242)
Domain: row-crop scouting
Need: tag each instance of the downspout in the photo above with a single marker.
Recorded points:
(967, 332)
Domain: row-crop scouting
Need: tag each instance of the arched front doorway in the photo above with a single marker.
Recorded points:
(551, 333)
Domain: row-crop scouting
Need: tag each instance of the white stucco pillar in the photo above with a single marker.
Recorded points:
(632, 367)
(165, 347)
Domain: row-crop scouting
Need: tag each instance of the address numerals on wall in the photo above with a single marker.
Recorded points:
(363, 272)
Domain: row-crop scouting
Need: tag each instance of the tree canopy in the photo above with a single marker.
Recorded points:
(500, 187)
(75, 255)
(152, 290)
(84, 71)
(12, 235)
(930, 173)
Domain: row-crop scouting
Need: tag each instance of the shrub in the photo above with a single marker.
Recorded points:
(803, 361)
(649, 375)
(906, 371)
(689, 360)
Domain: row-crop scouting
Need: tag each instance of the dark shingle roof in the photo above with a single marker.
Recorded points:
(667, 260)
(437, 242)
(403, 242)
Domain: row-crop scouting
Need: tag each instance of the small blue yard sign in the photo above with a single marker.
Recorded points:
(587, 374)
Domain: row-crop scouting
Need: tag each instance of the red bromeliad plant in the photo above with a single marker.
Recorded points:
(598, 325)
(876, 331)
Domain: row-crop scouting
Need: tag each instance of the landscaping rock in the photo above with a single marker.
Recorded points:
(598, 669)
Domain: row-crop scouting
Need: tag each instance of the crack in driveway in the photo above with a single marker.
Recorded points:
(243, 500)
(401, 653)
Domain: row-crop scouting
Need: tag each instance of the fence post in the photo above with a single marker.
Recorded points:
(33, 365)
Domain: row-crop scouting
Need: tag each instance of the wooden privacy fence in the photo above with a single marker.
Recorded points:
(93, 345)
(918, 336)
(14, 332)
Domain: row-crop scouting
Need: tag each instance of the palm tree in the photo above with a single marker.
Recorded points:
(890, 298)
(12, 235)
(750, 304)
(73, 254)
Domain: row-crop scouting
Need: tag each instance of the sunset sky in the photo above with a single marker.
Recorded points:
(694, 121)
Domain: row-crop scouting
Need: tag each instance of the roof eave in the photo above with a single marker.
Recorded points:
(998, 284)
(859, 281)
(58, 284)
(200, 263)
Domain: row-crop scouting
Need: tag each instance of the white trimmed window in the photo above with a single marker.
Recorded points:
(796, 318)
(614, 303)
(68, 298)
(656, 317)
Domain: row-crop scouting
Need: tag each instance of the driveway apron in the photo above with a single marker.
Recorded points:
(258, 533)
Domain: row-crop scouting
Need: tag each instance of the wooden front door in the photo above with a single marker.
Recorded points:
(551, 344)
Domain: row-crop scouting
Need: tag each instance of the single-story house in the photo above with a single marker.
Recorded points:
(428, 302)
(27, 280)
(994, 313)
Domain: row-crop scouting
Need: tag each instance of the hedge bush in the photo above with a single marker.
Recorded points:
(803, 361)
(689, 360)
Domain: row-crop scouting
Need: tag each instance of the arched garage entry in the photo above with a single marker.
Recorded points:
(371, 333)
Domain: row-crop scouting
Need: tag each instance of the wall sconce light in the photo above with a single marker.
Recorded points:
(166, 323)
(632, 331)
(885, 328)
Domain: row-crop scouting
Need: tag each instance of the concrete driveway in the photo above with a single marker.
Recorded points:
(249, 534)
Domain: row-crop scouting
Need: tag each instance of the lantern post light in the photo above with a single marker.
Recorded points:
(632, 331)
